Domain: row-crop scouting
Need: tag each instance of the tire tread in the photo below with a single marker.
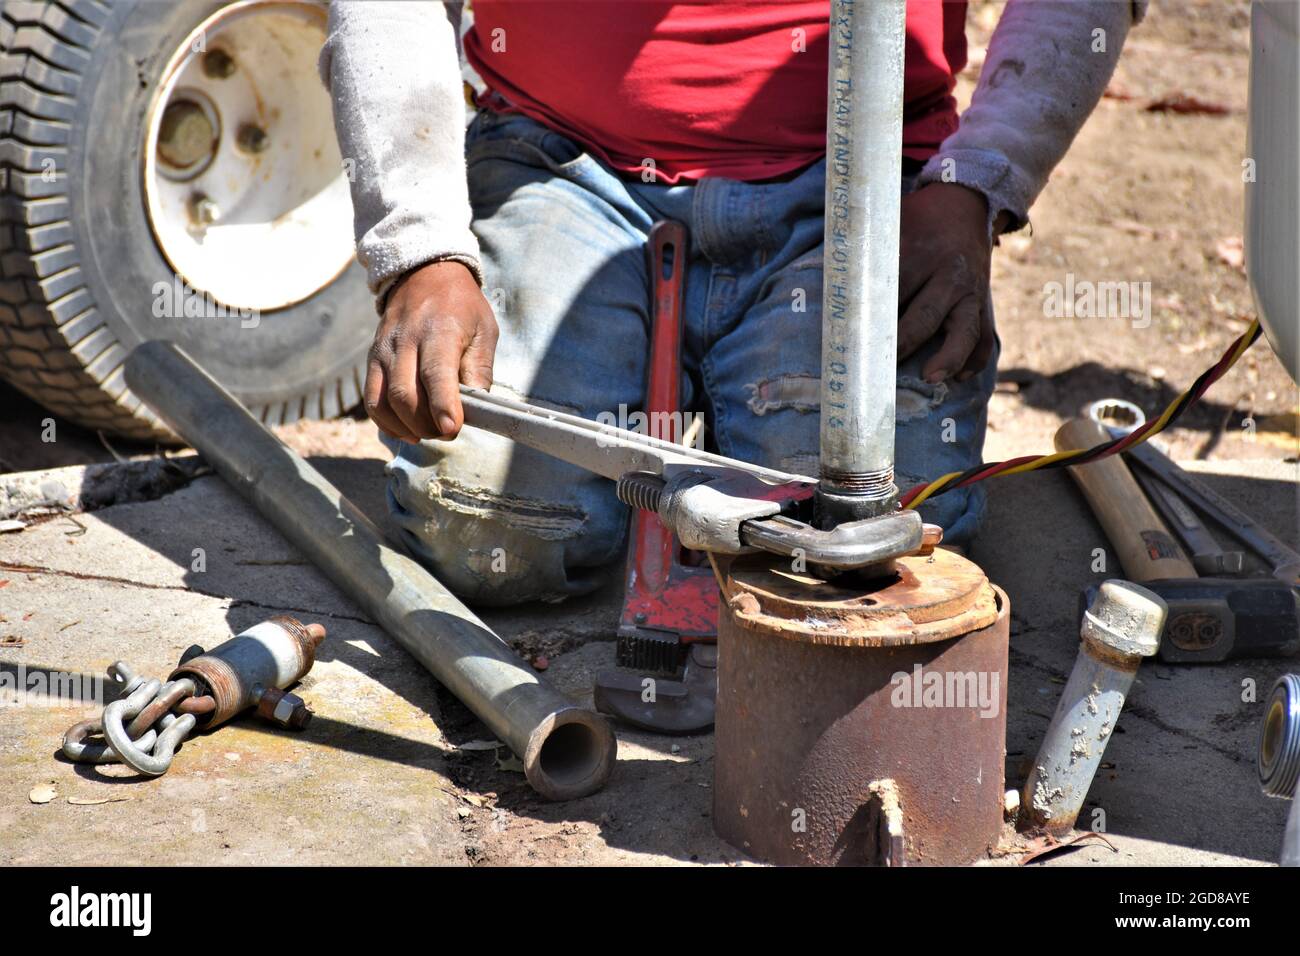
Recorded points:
(57, 348)
(59, 351)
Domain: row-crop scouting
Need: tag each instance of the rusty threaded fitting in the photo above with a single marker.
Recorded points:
(273, 654)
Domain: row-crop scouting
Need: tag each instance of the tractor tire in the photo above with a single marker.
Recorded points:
(81, 263)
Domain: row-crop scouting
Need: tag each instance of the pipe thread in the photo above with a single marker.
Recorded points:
(640, 489)
(862, 484)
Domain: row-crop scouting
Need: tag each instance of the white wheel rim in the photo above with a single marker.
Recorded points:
(254, 230)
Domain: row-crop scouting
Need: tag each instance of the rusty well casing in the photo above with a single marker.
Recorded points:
(828, 691)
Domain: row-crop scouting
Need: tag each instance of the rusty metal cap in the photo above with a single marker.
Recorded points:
(931, 597)
(1125, 618)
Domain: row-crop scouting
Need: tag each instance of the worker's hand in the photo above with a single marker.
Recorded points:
(943, 280)
(437, 332)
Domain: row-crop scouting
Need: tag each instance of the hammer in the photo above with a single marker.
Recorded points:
(1210, 619)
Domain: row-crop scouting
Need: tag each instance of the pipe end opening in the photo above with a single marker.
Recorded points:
(571, 754)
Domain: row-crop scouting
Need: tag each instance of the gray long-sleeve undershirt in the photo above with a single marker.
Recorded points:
(393, 70)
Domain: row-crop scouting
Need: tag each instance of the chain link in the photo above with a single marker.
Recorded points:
(149, 742)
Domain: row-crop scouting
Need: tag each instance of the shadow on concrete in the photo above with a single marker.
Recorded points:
(322, 731)
(1066, 393)
(22, 440)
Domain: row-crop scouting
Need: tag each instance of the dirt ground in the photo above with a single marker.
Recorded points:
(1145, 195)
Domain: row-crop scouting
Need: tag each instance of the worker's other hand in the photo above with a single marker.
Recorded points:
(943, 280)
(437, 332)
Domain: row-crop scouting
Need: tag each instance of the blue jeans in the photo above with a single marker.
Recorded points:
(563, 251)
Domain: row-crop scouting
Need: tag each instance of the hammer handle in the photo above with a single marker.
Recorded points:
(1147, 551)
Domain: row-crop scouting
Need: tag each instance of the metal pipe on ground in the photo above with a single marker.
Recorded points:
(864, 157)
(566, 751)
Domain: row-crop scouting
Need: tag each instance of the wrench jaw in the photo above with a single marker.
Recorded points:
(738, 513)
(713, 503)
(863, 549)
(661, 704)
(707, 509)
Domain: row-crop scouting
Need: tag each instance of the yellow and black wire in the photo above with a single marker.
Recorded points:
(1080, 456)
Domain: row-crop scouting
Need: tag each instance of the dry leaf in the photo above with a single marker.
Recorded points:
(510, 763)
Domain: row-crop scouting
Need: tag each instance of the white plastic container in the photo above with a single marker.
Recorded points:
(1272, 235)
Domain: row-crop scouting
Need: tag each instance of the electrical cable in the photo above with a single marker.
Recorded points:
(1080, 456)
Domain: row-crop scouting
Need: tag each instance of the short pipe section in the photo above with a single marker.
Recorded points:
(1120, 628)
(274, 654)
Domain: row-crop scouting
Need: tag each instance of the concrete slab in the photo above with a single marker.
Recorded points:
(380, 776)
(377, 777)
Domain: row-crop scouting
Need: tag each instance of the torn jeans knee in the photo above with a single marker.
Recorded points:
(798, 391)
(939, 429)
(916, 398)
(485, 562)
(801, 392)
(490, 547)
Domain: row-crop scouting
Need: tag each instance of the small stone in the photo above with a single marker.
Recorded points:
(42, 794)
(540, 663)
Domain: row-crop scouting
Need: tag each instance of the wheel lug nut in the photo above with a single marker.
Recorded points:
(252, 138)
(218, 64)
(203, 211)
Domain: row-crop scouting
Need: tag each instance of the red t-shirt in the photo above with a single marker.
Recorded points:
(703, 89)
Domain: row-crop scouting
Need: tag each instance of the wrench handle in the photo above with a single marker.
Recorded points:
(667, 264)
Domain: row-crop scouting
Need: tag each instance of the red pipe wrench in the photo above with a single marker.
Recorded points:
(670, 606)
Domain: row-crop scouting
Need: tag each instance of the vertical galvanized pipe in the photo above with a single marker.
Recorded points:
(864, 156)
(566, 751)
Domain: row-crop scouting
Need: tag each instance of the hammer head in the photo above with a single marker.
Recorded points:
(1213, 619)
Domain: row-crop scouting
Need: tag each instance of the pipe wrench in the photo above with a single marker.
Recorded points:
(711, 502)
